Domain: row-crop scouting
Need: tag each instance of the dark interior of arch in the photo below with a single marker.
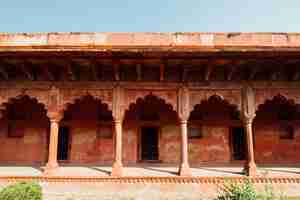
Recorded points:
(25, 108)
(151, 108)
(87, 108)
(215, 108)
(278, 108)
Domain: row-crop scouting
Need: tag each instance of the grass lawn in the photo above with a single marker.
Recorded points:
(294, 198)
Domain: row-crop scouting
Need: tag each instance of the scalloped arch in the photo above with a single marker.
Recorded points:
(168, 99)
(12, 100)
(219, 98)
(233, 98)
(261, 96)
(74, 100)
(143, 98)
(278, 97)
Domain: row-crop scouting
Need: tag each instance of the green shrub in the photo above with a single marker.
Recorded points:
(232, 191)
(22, 191)
(246, 191)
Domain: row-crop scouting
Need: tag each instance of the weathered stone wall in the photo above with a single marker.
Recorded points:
(130, 143)
(270, 148)
(169, 144)
(85, 147)
(32, 148)
(214, 147)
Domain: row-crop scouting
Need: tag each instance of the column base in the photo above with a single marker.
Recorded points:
(250, 169)
(50, 168)
(117, 169)
(184, 170)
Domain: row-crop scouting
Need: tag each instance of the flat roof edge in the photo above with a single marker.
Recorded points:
(149, 40)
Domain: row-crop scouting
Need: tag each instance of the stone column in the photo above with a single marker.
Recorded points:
(250, 166)
(184, 169)
(53, 143)
(248, 114)
(118, 114)
(117, 165)
(183, 113)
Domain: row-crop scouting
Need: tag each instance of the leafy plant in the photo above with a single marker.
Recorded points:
(233, 191)
(22, 191)
(246, 191)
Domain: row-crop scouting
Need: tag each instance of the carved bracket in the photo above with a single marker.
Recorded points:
(183, 104)
(118, 110)
(248, 104)
(54, 100)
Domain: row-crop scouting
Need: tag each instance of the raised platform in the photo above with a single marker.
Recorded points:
(148, 174)
(146, 182)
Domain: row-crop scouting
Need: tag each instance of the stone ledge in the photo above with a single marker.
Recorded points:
(154, 180)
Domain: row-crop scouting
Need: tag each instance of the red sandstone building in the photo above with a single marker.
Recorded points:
(185, 99)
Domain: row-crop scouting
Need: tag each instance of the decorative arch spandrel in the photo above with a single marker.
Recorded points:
(7, 95)
(262, 95)
(131, 96)
(70, 96)
(233, 97)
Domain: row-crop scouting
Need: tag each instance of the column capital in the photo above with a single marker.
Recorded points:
(55, 116)
(117, 121)
(248, 119)
(183, 121)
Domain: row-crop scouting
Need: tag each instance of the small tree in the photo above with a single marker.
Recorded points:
(22, 191)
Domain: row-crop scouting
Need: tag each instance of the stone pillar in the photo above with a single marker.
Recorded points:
(248, 114)
(117, 168)
(183, 113)
(184, 169)
(118, 114)
(250, 166)
(53, 143)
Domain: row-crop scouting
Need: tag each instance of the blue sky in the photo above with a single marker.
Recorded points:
(149, 16)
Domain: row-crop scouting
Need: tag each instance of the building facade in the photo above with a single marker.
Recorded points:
(186, 99)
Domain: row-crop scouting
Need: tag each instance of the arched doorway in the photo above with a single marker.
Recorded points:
(215, 132)
(24, 132)
(276, 132)
(86, 132)
(152, 124)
